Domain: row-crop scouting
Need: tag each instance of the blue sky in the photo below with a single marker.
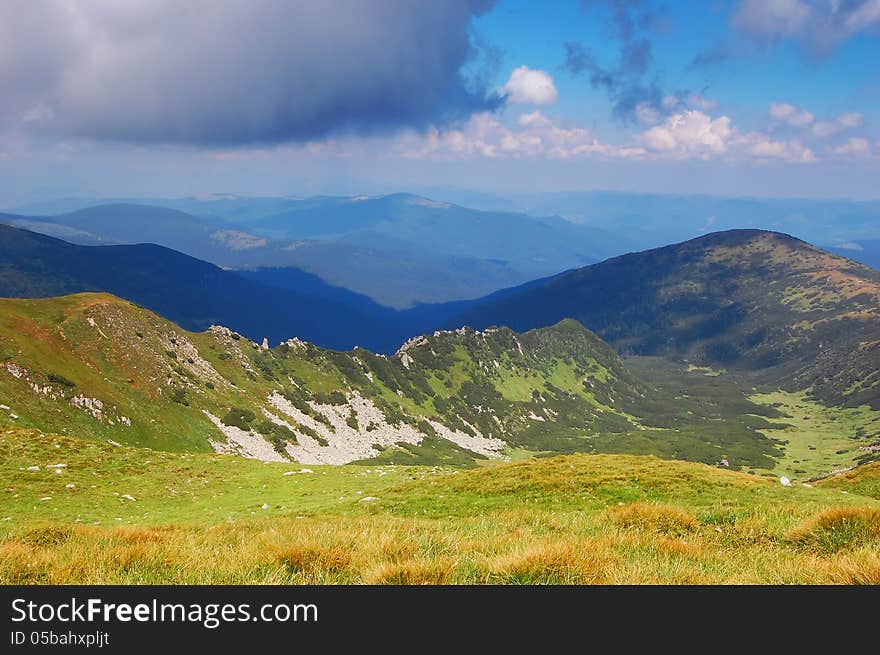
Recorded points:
(743, 97)
(847, 78)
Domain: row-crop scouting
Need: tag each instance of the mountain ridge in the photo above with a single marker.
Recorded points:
(96, 366)
(754, 300)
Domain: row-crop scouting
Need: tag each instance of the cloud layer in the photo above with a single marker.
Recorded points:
(235, 72)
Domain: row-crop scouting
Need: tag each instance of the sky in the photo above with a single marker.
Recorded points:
(300, 97)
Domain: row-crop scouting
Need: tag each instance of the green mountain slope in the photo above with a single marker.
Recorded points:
(94, 366)
(746, 300)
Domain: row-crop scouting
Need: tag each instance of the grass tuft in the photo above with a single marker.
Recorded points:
(836, 529)
(649, 517)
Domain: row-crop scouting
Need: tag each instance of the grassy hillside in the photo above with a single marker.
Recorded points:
(864, 480)
(130, 515)
(744, 300)
(97, 367)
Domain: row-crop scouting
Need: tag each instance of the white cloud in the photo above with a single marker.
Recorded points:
(686, 135)
(646, 114)
(791, 115)
(542, 136)
(799, 118)
(854, 147)
(819, 25)
(863, 16)
(699, 101)
(843, 122)
(528, 86)
(695, 134)
(689, 133)
(534, 135)
(763, 147)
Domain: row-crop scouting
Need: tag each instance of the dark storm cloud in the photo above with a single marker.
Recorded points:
(235, 72)
(628, 82)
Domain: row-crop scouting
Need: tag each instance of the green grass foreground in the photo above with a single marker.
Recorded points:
(132, 515)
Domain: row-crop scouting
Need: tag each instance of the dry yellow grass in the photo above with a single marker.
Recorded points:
(640, 543)
(664, 519)
(574, 519)
(836, 529)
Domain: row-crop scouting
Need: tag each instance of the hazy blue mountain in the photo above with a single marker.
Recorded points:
(190, 292)
(637, 220)
(548, 244)
(399, 250)
(219, 207)
(54, 206)
(652, 220)
(402, 274)
(295, 279)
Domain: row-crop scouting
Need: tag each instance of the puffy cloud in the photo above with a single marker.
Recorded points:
(796, 117)
(528, 86)
(853, 147)
(843, 122)
(533, 135)
(791, 115)
(762, 147)
(647, 114)
(700, 101)
(686, 134)
(820, 26)
(689, 133)
(235, 72)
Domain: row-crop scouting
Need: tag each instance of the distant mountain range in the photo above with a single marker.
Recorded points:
(650, 220)
(401, 250)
